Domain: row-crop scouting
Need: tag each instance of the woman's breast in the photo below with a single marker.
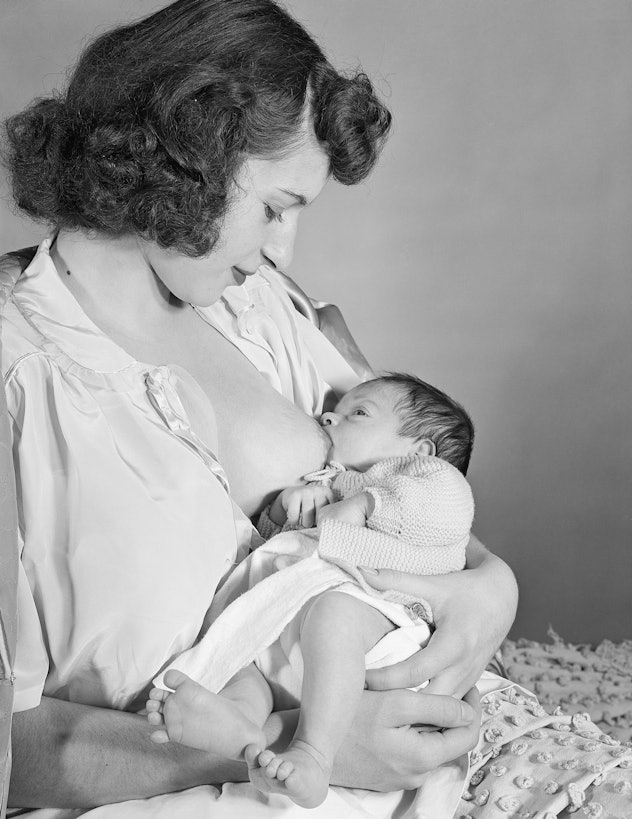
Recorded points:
(264, 442)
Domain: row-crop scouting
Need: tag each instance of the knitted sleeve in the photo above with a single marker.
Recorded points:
(266, 527)
(421, 500)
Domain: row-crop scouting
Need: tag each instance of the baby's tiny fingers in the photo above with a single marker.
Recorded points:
(308, 515)
(323, 500)
(293, 511)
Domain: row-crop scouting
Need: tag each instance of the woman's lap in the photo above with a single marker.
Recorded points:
(527, 764)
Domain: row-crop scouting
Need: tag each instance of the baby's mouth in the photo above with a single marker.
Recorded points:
(326, 429)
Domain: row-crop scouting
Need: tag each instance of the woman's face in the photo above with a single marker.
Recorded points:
(259, 227)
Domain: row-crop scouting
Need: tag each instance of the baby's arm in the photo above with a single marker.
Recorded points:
(355, 510)
(433, 508)
(223, 723)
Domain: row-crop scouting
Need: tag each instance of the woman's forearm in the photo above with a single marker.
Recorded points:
(497, 574)
(334, 328)
(76, 756)
(69, 755)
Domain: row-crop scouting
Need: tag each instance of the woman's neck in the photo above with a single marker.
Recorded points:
(112, 281)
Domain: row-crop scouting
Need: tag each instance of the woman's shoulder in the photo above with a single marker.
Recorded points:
(11, 266)
(18, 339)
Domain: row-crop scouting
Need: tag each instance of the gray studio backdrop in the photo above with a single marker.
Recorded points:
(490, 253)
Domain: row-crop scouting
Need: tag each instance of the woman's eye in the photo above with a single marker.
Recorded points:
(272, 214)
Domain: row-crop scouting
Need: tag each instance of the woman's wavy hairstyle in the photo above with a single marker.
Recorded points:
(159, 115)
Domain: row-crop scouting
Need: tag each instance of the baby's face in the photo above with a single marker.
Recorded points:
(364, 426)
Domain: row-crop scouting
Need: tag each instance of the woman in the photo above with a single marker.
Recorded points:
(173, 186)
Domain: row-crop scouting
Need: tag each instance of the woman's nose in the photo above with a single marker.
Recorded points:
(279, 249)
(328, 419)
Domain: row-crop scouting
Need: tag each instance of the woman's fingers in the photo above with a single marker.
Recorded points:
(385, 749)
(419, 708)
(407, 674)
(413, 584)
(449, 669)
(472, 611)
(439, 747)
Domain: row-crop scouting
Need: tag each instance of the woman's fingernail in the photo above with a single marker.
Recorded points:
(467, 713)
(368, 570)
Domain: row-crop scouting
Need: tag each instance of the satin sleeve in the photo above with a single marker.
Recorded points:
(31, 660)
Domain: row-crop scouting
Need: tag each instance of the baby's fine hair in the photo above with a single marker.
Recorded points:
(427, 412)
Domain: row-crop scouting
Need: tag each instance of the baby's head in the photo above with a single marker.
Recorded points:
(397, 415)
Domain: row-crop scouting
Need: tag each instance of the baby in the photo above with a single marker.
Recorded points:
(394, 483)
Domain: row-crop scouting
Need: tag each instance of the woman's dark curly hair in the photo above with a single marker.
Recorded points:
(159, 115)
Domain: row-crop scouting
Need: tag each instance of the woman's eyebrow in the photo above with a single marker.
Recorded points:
(302, 200)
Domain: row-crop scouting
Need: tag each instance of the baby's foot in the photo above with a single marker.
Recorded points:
(301, 772)
(194, 716)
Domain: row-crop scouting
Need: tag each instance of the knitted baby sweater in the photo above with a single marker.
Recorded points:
(421, 521)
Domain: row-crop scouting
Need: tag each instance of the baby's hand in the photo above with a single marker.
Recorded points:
(354, 510)
(299, 505)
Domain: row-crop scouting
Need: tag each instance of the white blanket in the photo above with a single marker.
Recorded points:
(257, 601)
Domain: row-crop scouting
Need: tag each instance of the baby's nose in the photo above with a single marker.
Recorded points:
(328, 418)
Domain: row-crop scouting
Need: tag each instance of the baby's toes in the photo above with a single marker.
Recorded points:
(154, 718)
(285, 769)
(160, 737)
(153, 705)
(272, 767)
(251, 754)
(265, 758)
(158, 694)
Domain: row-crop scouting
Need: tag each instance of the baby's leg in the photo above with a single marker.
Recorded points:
(223, 723)
(336, 633)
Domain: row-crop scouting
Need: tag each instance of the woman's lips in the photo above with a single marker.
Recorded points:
(240, 275)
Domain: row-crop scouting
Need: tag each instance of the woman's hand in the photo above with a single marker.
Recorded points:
(384, 753)
(473, 611)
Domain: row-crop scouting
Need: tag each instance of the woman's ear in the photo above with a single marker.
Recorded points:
(426, 447)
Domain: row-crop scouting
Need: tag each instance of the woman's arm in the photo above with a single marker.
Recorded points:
(330, 321)
(473, 612)
(333, 326)
(70, 755)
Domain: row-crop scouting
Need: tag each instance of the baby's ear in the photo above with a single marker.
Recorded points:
(426, 447)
